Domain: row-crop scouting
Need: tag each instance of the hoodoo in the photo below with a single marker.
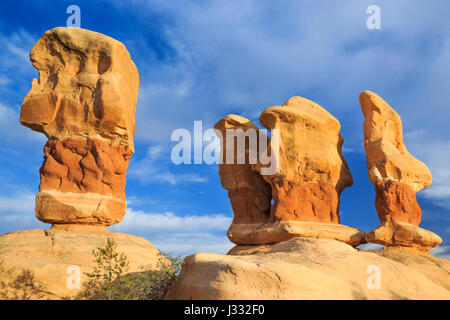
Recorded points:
(84, 102)
(396, 175)
(310, 175)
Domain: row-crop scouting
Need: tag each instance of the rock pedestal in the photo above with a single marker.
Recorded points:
(396, 175)
(84, 102)
(310, 175)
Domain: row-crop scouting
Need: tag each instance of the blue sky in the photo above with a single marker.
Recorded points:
(202, 60)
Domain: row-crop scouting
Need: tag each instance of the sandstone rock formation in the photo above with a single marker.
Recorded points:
(306, 268)
(310, 175)
(48, 254)
(249, 194)
(312, 171)
(272, 232)
(84, 102)
(396, 175)
(402, 234)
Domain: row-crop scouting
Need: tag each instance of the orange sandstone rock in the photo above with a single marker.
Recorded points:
(396, 175)
(310, 175)
(84, 102)
(307, 268)
(87, 87)
(312, 171)
(403, 235)
(249, 194)
(396, 202)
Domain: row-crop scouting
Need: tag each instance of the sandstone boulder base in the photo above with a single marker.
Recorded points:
(396, 174)
(269, 233)
(307, 268)
(312, 171)
(401, 234)
(249, 193)
(84, 102)
(49, 254)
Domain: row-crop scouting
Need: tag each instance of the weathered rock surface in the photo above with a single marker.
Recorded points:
(84, 102)
(401, 234)
(249, 194)
(306, 268)
(82, 181)
(87, 87)
(253, 234)
(312, 171)
(49, 253)
(396, 174)
(309, 176)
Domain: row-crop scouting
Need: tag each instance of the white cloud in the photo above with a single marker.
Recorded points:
(17, 212)
(193, 243)
(13, 133)
(435, 154)
(370, 246)
(441, 252)
(179, 234)
(168, 221)
(16, 73)
(243, 57)
(21, 203)
(15, 51)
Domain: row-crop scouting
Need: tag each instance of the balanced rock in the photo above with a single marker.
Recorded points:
(307, 268)
(395, 173)
(84, 102)
(309, 176)
(312, 172)
(402, 234)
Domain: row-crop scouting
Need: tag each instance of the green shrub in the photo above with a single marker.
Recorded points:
(110, 281)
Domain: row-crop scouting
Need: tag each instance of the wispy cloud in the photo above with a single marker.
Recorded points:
(243, 57)
(370, 246)
(17, 212)
(156, 167)
(185, 234)
(435, 154)
(15, 65)
(13, 133)
(143, 221)
(15, 51)
(441, 252)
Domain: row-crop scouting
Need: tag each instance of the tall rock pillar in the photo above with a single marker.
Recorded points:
(396, 175)
(84, 102)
